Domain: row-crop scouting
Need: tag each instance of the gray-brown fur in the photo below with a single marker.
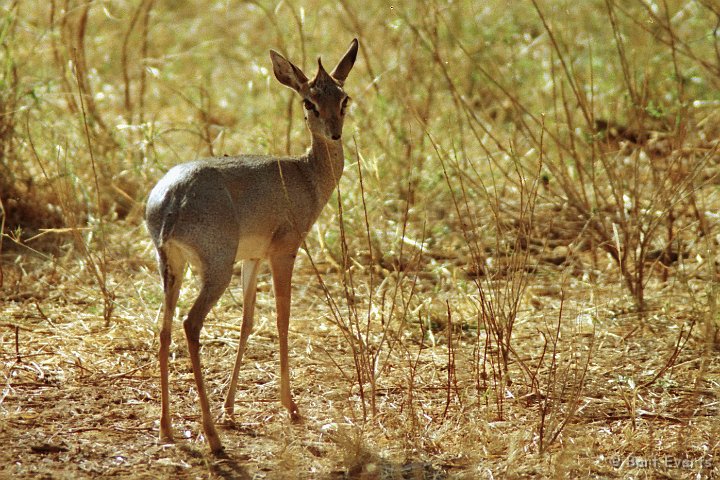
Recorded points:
(211, 213)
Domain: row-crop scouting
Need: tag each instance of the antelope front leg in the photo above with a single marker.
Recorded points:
(282, 269)
(249, 277)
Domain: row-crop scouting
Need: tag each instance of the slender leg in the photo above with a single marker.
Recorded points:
(209, 294)
(249, 277)
(282, 268)
(171, 270)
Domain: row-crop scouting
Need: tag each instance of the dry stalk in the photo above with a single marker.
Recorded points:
(562, 386)
(10, 85)
(371, 341)
(144, 53)
(58, 55)
(67, 196)
(271, 15)
(124, 61)
(99, 265)
(72, 25)
(499, 292)
(412, 366)
(206, 116)
(142, 14)
(452, 382)
(682, 46)
(9, 100)
(636, 198)
(679, 345)
(2, 237)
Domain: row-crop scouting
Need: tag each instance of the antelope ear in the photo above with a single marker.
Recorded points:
(344, 66)
(287, 73)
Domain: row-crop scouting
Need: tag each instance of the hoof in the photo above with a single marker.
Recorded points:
(166, 439)
(215, 444)
(227, 419)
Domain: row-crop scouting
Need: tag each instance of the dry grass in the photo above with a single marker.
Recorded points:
(517, 277)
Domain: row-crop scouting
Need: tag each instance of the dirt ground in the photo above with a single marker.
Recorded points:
(81, 400)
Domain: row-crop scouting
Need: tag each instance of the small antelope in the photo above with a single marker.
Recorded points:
(213, 212)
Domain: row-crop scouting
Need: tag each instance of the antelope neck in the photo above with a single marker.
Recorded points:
(327, 157)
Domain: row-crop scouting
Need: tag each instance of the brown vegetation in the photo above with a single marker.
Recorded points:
(517, 276)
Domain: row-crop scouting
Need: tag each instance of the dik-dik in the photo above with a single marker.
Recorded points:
(214, 212)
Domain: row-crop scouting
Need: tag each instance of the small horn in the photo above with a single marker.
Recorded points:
(322, 75)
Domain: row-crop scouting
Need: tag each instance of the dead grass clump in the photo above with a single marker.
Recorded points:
(26, 211)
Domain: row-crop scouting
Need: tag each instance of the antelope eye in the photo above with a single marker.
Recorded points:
(344, 105)
(310, 107)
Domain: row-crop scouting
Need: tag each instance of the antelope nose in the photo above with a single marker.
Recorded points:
(336, 137)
